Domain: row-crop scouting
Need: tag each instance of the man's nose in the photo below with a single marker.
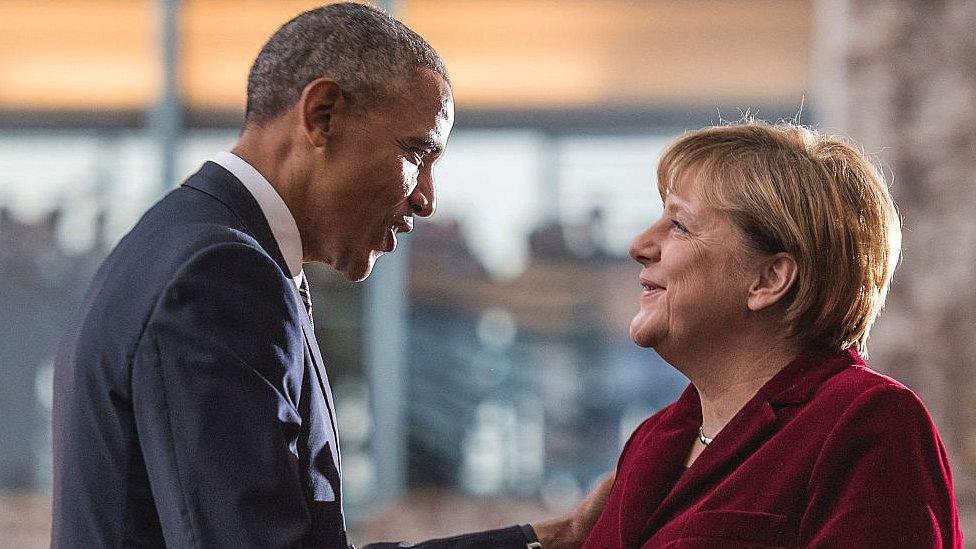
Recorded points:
(422, 200)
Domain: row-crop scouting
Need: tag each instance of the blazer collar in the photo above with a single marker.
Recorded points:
(747, 430)
(796, 383)
(214, 180)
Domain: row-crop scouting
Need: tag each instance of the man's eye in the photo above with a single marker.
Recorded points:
(679, 226)
(417, 157)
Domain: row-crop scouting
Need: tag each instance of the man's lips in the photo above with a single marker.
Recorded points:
(390, 242)
(405, 225)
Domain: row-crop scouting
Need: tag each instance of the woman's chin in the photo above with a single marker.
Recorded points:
(643, 335)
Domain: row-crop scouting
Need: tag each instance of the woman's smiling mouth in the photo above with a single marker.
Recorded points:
(648, 287)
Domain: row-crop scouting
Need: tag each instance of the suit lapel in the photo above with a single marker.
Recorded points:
(214, 180)
(323, 381)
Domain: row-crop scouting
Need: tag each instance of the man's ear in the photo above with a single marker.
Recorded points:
(321, 100)
(774, 281)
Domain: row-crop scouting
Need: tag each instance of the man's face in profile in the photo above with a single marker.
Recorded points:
(383, 174)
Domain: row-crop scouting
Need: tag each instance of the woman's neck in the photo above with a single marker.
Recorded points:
(729, 381)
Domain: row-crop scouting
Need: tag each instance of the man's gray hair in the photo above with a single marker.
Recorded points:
(367, 52)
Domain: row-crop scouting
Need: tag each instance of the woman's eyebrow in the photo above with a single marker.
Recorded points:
(671, 207)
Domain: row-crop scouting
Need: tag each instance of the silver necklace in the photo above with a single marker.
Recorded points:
(701, 436)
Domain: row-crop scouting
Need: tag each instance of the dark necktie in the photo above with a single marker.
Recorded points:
(306, 298)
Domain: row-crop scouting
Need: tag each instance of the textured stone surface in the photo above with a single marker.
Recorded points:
(906, 91)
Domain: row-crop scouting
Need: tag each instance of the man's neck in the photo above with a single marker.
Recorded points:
(269, 152)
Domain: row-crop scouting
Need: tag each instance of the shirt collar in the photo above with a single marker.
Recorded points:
(279, 217)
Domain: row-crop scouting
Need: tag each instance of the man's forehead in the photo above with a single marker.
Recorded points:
(433, 98)
(424, 92)
(429, 115)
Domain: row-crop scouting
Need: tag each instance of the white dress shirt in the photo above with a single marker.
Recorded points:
(279, 217)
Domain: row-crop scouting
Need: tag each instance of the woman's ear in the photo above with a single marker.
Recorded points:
(776, 278)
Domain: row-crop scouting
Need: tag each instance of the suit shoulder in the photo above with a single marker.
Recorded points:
(186, 238)
(230, 287)
(181, 224)
(230, 257)
(207, 238)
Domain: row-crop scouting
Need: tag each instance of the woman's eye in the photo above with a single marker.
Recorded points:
(679, 226)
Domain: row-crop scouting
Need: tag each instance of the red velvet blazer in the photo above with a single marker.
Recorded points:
(827, 454)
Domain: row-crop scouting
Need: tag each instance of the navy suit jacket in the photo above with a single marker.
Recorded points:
(191, 405)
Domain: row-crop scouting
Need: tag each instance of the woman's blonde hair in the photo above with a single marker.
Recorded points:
(816, 197)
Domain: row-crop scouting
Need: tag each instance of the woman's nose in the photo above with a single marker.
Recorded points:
(644, 248)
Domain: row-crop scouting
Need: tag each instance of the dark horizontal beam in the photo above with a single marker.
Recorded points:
(618, 120)
(613, 120)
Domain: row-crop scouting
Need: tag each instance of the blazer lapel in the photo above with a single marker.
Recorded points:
(754, 424)
(729, 448)
(672, 436)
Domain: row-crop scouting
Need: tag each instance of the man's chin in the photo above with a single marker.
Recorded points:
(358, 275)
(358, 271)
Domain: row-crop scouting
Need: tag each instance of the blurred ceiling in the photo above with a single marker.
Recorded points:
(91, 55)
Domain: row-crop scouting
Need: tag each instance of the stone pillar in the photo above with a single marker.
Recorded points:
(899, 76)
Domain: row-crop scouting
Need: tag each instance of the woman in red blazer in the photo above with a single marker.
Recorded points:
(760, 283)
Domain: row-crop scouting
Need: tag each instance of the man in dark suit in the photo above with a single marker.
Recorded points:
(192, 406)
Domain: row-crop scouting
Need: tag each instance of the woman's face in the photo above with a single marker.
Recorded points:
(694, 281)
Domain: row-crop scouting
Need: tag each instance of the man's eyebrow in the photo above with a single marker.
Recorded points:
(425, 143)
